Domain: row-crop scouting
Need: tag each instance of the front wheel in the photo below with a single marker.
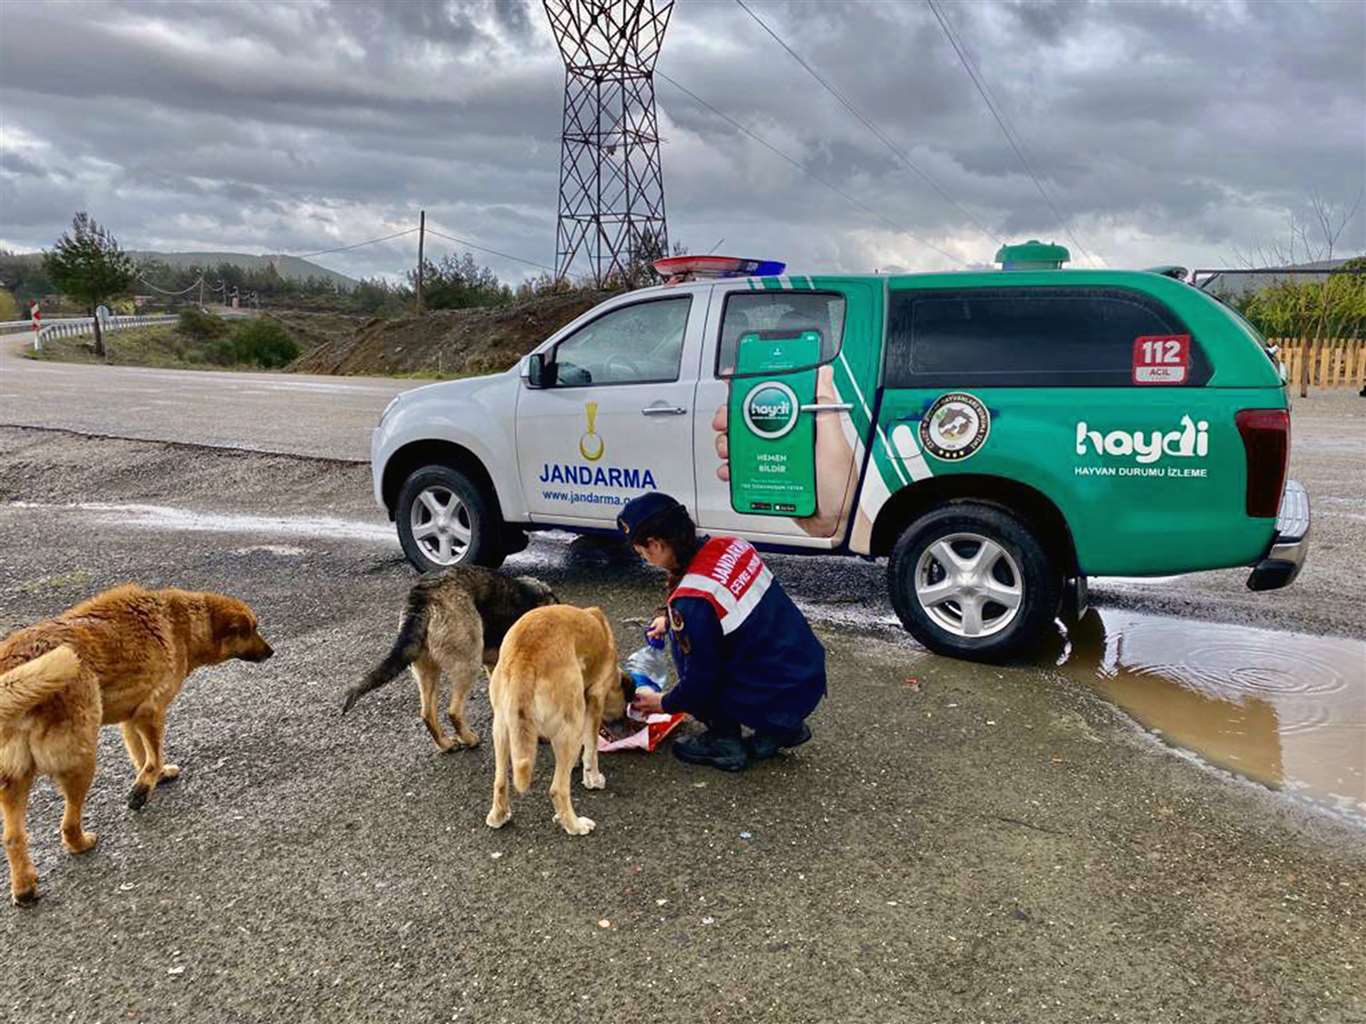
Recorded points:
(972, 581)
(444, 518)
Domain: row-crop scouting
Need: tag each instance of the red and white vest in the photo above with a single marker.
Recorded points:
(729, 574)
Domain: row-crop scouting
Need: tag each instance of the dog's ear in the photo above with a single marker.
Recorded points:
(229, 617)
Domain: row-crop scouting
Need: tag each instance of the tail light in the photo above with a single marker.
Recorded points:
(1266, 440)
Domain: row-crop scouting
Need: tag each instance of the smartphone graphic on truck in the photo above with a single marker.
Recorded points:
(772, 443)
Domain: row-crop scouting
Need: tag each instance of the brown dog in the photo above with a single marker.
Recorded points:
(122, 657)
(557, 676)
(453, 623)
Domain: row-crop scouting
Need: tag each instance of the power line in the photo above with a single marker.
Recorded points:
(810, 174)
(344, 248)
(493, 252)
(982, 90)
(894, 149)
(163, 291)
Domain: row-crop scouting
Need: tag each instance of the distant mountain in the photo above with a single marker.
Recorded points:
(290, 267)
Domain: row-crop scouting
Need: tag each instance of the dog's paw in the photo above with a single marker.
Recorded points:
(594, 780)
(27, 897)
(497, 819)
(469, 739)
(137, 797)
(170, 772)
(579, 826)
(83, 844)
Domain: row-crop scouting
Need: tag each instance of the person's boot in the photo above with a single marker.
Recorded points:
(763, 745)
(718, 751)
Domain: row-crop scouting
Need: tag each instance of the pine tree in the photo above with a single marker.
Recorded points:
(88, 265)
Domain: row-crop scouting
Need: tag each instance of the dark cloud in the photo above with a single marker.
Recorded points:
(1161, 131)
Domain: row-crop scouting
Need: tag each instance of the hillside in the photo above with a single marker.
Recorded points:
(291, 268)
(448, 343)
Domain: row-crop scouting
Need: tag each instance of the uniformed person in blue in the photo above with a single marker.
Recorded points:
(745, 655)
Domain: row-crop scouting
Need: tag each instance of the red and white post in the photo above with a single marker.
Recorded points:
(36, 315)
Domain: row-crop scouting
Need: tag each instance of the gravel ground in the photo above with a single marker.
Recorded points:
(986, 845)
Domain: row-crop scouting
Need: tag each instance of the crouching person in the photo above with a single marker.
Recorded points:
(745, 655)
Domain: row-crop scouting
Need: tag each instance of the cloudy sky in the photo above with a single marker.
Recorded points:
(1162, 132)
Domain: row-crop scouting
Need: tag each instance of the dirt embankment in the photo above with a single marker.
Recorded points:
(446, 343)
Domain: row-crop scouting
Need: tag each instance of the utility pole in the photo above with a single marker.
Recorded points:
(421, 240)
(201, 291)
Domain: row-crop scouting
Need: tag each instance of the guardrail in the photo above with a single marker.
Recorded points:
(20, 326)
(78, 326)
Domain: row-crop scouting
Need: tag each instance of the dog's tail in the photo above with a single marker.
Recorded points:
(521, 731)
(28, 685)
(412, 637)
(522, 741)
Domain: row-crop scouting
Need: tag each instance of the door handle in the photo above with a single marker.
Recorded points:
(827, 407)
(663, 410)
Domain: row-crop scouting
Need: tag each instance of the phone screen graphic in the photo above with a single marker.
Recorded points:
(771, 442)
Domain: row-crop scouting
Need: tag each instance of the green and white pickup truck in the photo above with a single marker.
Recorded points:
(998, 436)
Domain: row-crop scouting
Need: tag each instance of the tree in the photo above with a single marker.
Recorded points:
(88, 265)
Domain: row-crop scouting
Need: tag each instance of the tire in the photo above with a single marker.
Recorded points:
(470, 535)
(986, 611)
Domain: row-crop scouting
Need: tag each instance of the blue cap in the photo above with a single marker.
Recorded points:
(638, 511)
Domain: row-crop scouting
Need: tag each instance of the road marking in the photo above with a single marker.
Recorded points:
(162, 517)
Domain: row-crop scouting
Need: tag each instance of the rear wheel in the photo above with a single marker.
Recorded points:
(972, 581)
(444, 518)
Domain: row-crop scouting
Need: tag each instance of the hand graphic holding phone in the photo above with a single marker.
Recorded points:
(836, 470)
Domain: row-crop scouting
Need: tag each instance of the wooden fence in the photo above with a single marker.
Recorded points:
(1337, 362)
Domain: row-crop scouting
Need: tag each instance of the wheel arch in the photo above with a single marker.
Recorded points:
(1027, 503)
(416, 454)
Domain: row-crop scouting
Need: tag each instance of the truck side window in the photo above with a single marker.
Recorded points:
(798, 312)
(637, 344)
(1014, 337)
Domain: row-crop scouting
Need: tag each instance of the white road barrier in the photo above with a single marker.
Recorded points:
(77, 326)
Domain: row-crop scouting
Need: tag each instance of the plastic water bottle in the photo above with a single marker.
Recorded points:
(648, 666)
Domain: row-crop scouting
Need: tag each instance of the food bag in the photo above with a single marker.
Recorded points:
(637, 732)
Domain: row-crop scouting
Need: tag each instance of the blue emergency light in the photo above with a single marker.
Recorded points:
(686, 268)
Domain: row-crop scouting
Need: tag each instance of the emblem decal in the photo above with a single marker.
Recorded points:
(591, 444)
(955, 426)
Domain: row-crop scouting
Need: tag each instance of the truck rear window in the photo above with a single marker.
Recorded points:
(1017, 337)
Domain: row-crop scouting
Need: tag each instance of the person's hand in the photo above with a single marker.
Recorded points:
(835, 468)
(648, 702)
(657, 628)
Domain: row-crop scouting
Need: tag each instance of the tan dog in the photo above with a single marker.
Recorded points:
(122, 657)
(557, 676)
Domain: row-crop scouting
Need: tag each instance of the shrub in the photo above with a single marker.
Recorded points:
(196, 323)
(265, 343)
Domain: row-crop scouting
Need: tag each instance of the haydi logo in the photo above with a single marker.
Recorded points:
(1190, 441)
(770, 410)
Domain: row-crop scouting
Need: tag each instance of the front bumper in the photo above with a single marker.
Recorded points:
(1284, 559)
(377, 440)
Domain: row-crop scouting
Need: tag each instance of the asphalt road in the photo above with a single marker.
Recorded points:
(273, 412)
(984, 845)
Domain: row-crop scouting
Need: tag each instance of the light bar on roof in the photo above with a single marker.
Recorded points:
(686, 268)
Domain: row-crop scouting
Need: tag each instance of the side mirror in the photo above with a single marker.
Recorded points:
(540, 374)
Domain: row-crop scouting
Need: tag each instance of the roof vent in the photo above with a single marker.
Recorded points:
(1033, 255)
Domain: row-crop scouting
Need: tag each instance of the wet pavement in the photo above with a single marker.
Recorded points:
(957, 842)
(1286, 710)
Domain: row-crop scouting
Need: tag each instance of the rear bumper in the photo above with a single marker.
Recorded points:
(1285, 557)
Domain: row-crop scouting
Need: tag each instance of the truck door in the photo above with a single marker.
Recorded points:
(784, 406)
(612, 418)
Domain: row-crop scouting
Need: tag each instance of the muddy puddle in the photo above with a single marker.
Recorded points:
(1286, 710)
